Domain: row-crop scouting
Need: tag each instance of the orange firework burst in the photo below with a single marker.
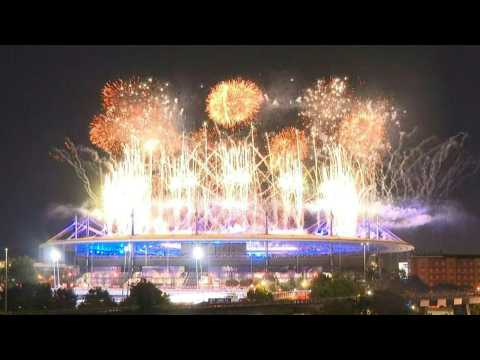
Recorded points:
(135, 109)
(288, 142)
(364, 132)
(234, 102)
(106, 135)
(325, 105)
(120, 94)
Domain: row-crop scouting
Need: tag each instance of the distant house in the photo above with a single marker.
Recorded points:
(440, 311)
(457, 270)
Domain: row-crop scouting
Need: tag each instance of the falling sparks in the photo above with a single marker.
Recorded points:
(339, 183)
(287, 143)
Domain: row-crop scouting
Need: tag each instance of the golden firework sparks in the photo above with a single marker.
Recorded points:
(226, 183)
(325, 105)
(234, 102)
(364, 132)
(205, 136)
(343, 189)
(136, 109)
(106, 135)
(288, 142)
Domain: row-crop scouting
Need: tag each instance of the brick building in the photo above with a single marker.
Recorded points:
(460, 270)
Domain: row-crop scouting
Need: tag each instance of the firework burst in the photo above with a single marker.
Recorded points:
(234, 102)
(325, 105)
(106, 135)
(289, 142)
(364, 132)
(136, 109)
(219, 178)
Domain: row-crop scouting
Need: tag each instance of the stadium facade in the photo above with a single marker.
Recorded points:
(84, 243)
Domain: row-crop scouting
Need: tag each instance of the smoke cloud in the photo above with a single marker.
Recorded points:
(415, 215)
(66, 211)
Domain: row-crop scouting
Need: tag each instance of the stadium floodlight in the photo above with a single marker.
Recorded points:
(197, 253)
(55, 255)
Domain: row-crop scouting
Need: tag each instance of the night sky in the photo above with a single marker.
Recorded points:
(49, 93)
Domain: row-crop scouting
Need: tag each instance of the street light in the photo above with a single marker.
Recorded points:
(251, 265)
(305, 283)
(126, 250)
(197, 255)
(55, 257)
(6, 279)
(146, 255)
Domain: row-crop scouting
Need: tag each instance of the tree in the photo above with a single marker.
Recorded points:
(97, 298)
(29, 297)
(414, 285)
(383, 303)
(42, 297)
(268, 282)
(446, 287)
(231, 282)
(64, 299)
(475, 309)
(246, 282)
(338, 286)
(290, 284)
(146, 297)
(22, 271)
(340, 307)
(259, 295)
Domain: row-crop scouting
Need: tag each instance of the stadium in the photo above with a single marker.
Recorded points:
(195, 267)
(232, 200)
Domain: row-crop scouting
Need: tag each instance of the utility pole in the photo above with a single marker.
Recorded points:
(196, 222)
(168, 262)
(133, 222)
(379, 264)
(146, 255)
(331, 246)
(76, 227)
(251, 267)
(266, 242)
(88, 226)
(266, 223)
(331, 258)
(340, 259)
(364, 263)
(196, 269)
(331, 223)
(266, 256)
(6, 280)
